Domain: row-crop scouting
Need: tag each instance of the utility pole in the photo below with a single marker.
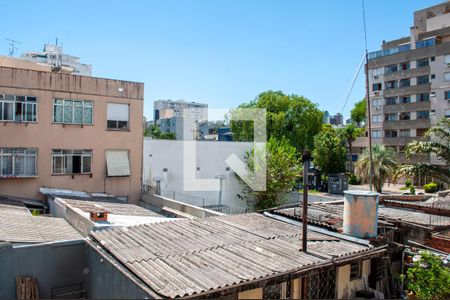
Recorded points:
(306, 158)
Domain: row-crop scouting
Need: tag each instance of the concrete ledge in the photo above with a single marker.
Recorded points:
(148, 200)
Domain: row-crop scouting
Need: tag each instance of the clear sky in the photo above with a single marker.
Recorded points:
(218, 52)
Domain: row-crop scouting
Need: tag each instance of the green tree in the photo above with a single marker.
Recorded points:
(283, 167)
(155, 132)
(384, 166)
(358, 113)
(291, 116)
(428, 278)
(348, 134)
(329, 154)
(438, 145)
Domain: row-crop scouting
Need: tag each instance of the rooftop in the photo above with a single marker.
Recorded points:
(188, 257)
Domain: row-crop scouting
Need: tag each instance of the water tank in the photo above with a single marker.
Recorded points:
(361, 213)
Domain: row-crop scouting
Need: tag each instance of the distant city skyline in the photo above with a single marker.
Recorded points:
(219, 53)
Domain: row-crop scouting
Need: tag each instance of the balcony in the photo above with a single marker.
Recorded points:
(402, 158)
(401, 141)
(406, 124)
(402, 107)
(421, 71)
(395, 50)
(410, 90)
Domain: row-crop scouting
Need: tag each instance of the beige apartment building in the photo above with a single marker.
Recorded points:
(409, 81)
(68, 131)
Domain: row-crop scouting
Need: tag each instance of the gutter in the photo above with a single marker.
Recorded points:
(319, 230)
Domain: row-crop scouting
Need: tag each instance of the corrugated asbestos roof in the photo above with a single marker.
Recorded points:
(30, 229)
(112, 208)
(188, 257)
(13, 207)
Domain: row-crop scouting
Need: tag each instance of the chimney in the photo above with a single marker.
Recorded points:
(361, 213)
(98, 215)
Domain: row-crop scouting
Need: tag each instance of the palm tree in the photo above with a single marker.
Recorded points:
(384, 165)
(348, 134)
(438, 145)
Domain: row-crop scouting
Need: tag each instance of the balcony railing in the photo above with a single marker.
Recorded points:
(403, 48)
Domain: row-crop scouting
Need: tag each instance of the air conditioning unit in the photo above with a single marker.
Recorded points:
(377, 107)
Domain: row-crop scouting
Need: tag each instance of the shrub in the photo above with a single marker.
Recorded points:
(430, 187)
(353, 180)
(408, 182)
(412, 190)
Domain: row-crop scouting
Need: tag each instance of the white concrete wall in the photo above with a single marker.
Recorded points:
(210, 157)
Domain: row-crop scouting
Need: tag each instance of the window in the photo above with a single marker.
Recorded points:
(355, 270)
(425, 79)
(376, 118)
(422, 62)
(376, 72)
(404, 66)
(426, 43)
(405, 99)
(405, 82)
(118, 116)
(68, 111)
(117, 163)
(447, 59)
(376, 102)
(390, 69)
(447, 95)
(425, 97)
(390, 133)
(447, 76)
(71, 161)
(404, 116)
(18, 162)
(432, 76)
(376, 87)
(391, 117)
(425, 114)
(447, 113)
(391, 84)
(391, 100)
(432, 58)
(376, 134)
(421, 131)
(405, 133)
(18, 108)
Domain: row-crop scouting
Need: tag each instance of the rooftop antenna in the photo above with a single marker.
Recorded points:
(12, 46)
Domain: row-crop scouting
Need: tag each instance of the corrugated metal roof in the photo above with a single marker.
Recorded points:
(188, 257)
(30, 229)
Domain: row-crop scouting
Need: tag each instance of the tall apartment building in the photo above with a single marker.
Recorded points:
(67, 131)
(409, 80)
(337, 119)
(165, 109)
(54, 56)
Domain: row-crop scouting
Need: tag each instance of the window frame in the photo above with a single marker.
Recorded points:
(420, 112)
(63, 106)
(355, 274)
(24, 108)
(83, 153)
(117, 128)
(15, 152)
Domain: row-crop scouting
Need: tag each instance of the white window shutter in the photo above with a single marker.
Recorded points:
(118, 112)
(117, 163)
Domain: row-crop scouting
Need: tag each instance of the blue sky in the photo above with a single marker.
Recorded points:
(218, 52)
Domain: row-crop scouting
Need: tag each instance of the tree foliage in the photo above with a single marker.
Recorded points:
(348, 134)
(288, 116)
(283, 167)
(329, 153)
(358, 113)
(384, 166)
(438, 145)
(428, 278)
(155, 132)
